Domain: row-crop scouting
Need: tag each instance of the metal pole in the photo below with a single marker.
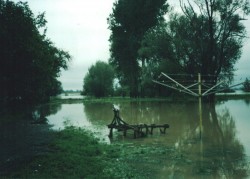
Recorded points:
(200, 105)
(186, 89)
(180, 90)
(200, 113)
(211, 88)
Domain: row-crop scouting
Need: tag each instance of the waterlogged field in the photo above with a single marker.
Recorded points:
(220, 149)
(217, 146)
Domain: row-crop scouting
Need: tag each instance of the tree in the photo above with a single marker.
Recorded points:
(206, 38)
(246, 85)
(128, 23)
(157, 50)
(29, 61)
(99, 80)
(218, 35)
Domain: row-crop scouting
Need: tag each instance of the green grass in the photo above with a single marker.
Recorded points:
(74, 153)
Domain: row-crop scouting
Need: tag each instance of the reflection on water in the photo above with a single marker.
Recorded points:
(222, 152)
(239, 111)
(80, 115)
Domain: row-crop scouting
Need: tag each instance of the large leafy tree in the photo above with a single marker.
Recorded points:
(218, 33)
(29, 61)
(99, 80)
(157, 50)
(128, 23)
(206, 38)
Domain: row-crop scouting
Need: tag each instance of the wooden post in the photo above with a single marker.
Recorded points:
(135, 132)
(152, 128)
(125, 132)
(111, 132)
(165, 126)
(146, 126)
(161, 131)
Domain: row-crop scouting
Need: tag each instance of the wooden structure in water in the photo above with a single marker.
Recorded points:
(139, 130)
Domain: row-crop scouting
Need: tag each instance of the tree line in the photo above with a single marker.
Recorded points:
(149, 37)
(29, 62)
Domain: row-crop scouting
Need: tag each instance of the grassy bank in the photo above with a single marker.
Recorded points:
(75, 153)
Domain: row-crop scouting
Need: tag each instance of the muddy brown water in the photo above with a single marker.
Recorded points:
(217, 147)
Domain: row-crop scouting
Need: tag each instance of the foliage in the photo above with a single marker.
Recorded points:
(128, 23)
(216, 31)
(29, 61)
(121, 91)
(246, 85)
(158, 51)
(206, 38)
(99, 80)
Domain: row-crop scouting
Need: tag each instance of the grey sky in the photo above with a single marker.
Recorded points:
(80, 27)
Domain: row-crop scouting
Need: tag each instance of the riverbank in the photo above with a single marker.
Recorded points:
(76, 97)
(233, 96)
(75, 153)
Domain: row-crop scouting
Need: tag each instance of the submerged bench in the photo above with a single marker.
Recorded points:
(139, 130)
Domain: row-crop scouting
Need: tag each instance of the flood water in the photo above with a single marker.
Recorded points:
(220, 150)
(216, 147)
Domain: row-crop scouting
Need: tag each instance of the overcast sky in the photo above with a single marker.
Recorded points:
(80, 27)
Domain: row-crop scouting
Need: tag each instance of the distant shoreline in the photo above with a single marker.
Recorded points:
(77, 97)
(235, 95)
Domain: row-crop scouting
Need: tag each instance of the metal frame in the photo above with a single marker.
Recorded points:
(187, 90)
